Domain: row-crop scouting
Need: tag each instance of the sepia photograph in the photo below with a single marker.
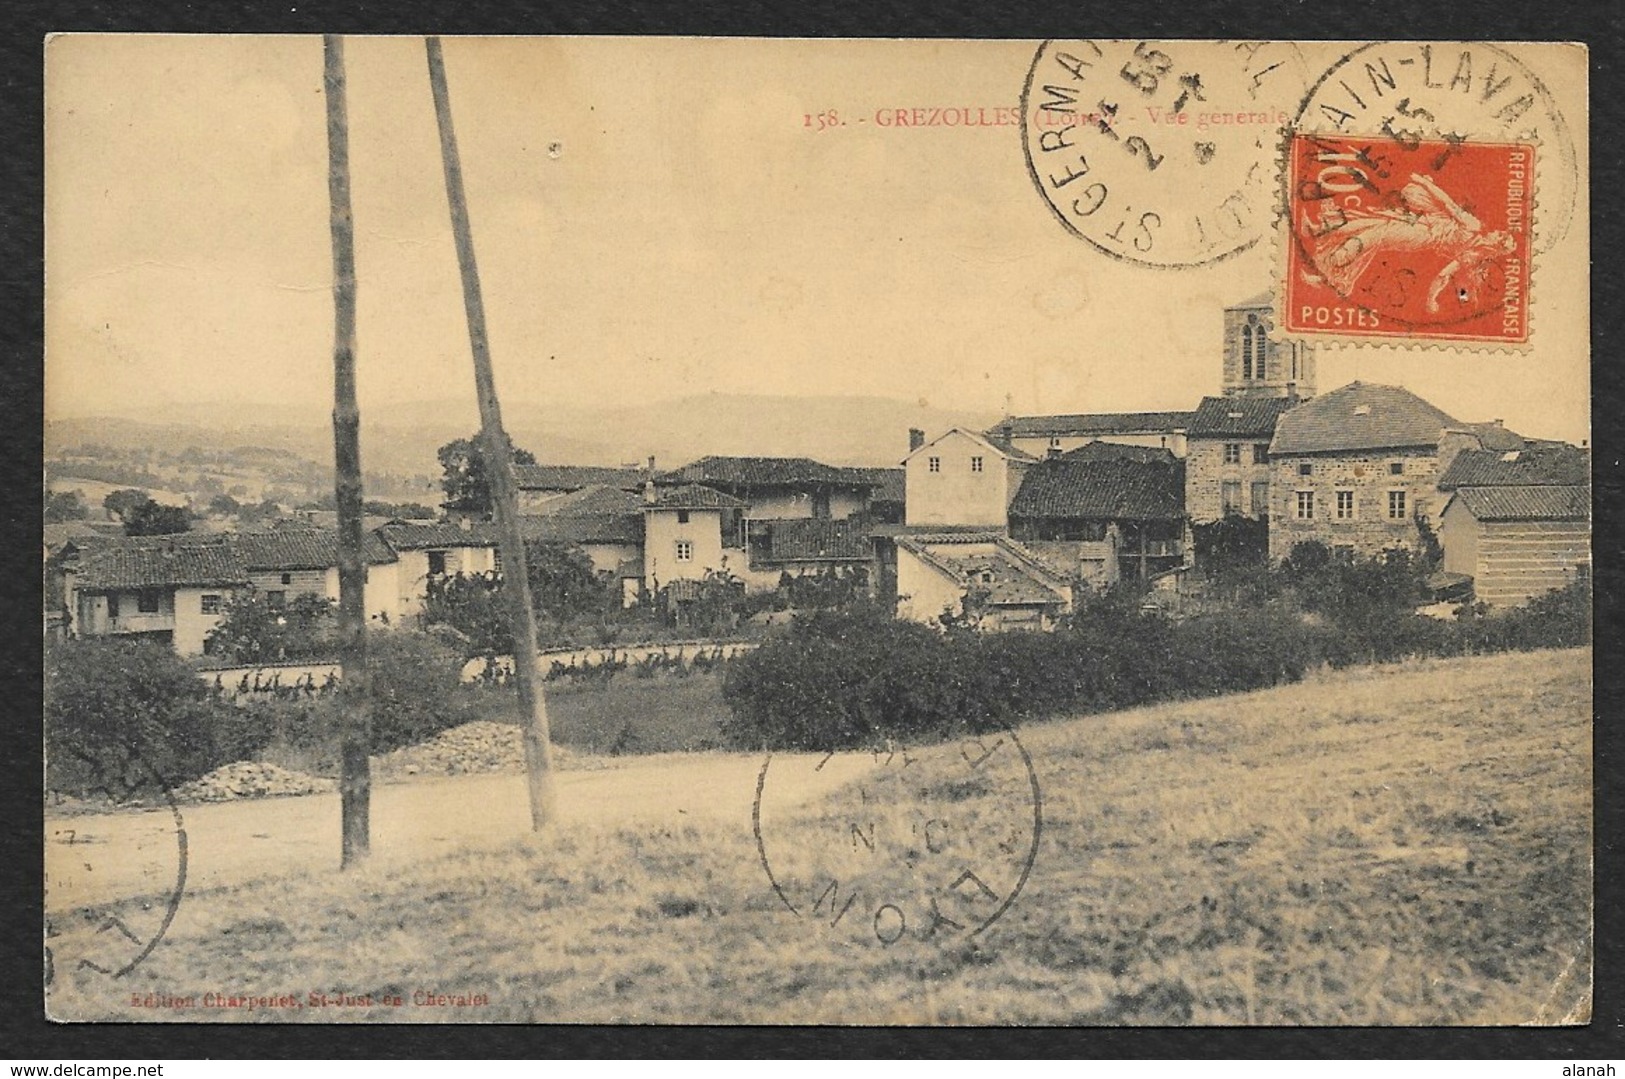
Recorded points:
(861, 532)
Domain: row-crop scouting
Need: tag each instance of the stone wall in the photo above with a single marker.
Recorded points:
(1206, 473)
(1368, 475)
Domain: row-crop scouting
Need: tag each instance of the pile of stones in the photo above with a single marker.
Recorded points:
(246, 779)
(472, 749)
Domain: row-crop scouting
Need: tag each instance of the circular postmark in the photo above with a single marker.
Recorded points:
(1406, 92)
(113, 882)
(1162, 154)
(931, 842)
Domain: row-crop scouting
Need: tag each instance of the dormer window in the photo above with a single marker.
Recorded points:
(1362, 410)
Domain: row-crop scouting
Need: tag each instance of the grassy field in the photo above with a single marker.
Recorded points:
(1400, 845)
(626, 715)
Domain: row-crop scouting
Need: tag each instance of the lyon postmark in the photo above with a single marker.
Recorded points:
(933, 843)
(1413, 238)
(1160, 153)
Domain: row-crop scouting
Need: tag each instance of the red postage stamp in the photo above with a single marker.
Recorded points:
(1421, 239)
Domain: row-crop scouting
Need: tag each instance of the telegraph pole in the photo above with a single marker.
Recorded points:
(355, 775)
(516, 584)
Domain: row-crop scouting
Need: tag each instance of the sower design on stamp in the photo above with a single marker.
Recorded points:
(946, 872)
(1419, 239)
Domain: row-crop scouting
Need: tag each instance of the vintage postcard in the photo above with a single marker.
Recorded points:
(1079, 533)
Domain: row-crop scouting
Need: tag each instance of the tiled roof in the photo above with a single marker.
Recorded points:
(1093, 423)
(1540, 463)
(302, 548)
(889, 483)
(1008, 575)
(1360, 416)
(597, 499)
(575, 477)
(1255, 417)
(423, 535)
(692, 496)
(619, 528)
(1569, 503)
(761, 472)
(166, 566)
(814, 540)
(1117, 451)
(1494, 436)
(1106, 489)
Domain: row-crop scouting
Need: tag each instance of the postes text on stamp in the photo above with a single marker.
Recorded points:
(1411, 238)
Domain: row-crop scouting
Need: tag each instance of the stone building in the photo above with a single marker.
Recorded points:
(1357, 468)
(1257, 366)
(1227, 460)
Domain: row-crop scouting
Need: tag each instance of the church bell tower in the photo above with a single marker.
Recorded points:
(1255, 365)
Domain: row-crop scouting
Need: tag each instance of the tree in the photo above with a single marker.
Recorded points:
(153, 519)
(121, 502)
(65, 506)
(123, 717)
(463, 478)
(562, 581)
(251, 630)
(223, 505)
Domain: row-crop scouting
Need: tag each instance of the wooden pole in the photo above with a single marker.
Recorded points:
(355, 772)
(499, 468)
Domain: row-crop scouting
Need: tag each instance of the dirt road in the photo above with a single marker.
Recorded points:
(92, 860)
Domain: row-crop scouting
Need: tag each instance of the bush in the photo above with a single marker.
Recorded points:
(858, 678)
(125, 718)
(252, 631)
(415, 688)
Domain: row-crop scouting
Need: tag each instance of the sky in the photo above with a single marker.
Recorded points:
(652, 219)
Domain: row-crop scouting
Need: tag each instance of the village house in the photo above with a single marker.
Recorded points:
(683, 534)
(962, 478)
(1358, 468)
(427, 550)
(1108, 514)
(1227, 460)
(1517, 523)
(285, 562)
(163, 591)
(1038, 435)
(981, 577)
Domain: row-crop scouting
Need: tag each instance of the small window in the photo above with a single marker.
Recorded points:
(1396, 468)
(1306, 506)
(1232, 453)
(276, 600)
(1054, 442)
(1261, 453)
(1396, 505)
(682, 517)
(147, 601)
(976, 464)
(1230, 497)
(685, 551)
(437, 563)
(933, 464)
(1261, 498)
(1306, 469)
(112, 606)
(496, 559)
(209, 604)
(287, 578)
(1345, 506)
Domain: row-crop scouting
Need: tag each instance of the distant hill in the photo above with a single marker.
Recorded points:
(403, 438)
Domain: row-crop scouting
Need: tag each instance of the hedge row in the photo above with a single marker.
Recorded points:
(845, 680)
(125, 718)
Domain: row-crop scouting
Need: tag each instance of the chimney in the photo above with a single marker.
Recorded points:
(466, 523)
(916, 439)
(1292, 392)
(649, 492)
(651, 464)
